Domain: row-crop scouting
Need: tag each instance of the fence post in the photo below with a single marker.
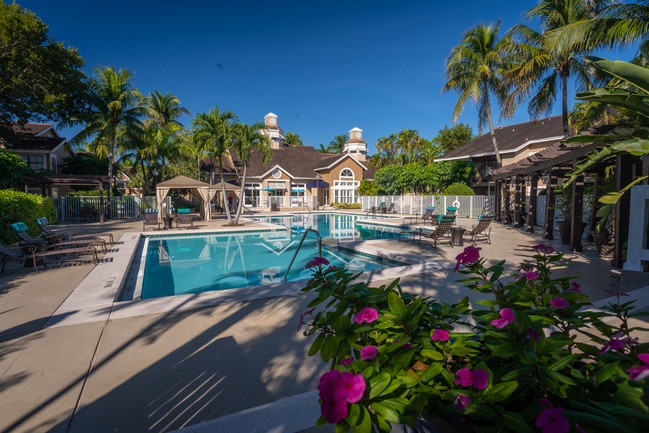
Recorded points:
(470, 206)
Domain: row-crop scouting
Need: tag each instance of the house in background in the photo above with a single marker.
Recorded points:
(515, 142)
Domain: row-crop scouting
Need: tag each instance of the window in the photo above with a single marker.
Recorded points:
(298, 194)
(346, 172)
(345, 188)
(53, 163)
(251, 194)
(35, 162)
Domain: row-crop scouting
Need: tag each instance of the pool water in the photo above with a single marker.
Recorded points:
(334, 226)
(191, 264)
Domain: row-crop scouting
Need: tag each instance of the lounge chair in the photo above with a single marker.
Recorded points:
(429, 215)
(443, 229)
(184, 218)
(7, 254)
(43, 223)
(371, 210)
(481, 229)
(27, 241)
(36, 254)
(389, 209)
(451, 210)
(150, 219)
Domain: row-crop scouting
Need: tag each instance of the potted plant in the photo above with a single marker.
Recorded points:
(536, 358)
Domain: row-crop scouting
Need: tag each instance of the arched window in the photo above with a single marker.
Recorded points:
(345, 187)
(346, 172)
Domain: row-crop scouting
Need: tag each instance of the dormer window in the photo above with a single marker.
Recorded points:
(346, 172)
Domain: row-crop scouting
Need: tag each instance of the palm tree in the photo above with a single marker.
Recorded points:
(386, 146)
(323, 149)
(113, 109)
(141, 146)
(293, 139)
(475, 68)
(549, 58)
(213, 133)
(164, 110)
(337, 145)
(409, 144)
(247, 138)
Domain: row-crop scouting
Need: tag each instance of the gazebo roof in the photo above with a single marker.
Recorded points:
(183, 182)
(228, 187)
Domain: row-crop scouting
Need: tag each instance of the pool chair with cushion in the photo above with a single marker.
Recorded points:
(389, 209)
(443, 229)
(7, 254)
(150, 219)
(184, 218)
(37, 255)
(27, 241)
(481, 229)
(451, 210)
(371, 210)
(430, 215)
(43, 223)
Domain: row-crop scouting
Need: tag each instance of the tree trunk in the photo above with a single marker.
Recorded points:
(146, 185)
(564, 105)
(241, 196)
(491, 129)
(111, 161)
(225, 193)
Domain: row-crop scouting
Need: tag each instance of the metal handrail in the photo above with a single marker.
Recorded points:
(300, 246)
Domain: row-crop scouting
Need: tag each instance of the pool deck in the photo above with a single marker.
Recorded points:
(198, 361)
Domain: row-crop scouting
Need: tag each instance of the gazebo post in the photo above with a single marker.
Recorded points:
(623, 176)
(508, 215)
(101, 202)
(497, 204)
(518, 181)
(576, 215)
(550, 199)
(593, 207)
(531, 214)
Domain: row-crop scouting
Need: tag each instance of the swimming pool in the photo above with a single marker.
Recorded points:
(191, 264)
(334, 226)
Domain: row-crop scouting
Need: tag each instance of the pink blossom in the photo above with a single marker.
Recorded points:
(366, 315)
(642, 371)
(559, 303)
(440, 335)
(347, 361)
(543, 248)
(333, 410)
(545, 402)
(469, 256)
(369, 352)
(530, 275)
(533, 334)
(507, 316)
(301, 322)
(615, 343)
(525, 267)
(574, 287)
(336, 389)
(614, 293)
(349, 387)
(551, 420)
(317, 261)
(477, 378)
(461, 402)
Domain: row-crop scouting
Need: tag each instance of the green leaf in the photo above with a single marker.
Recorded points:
(317, 344)
(396, 305)
(354, 413)
(558, 376)
(341, 428)
(606, 372)
(505, 350)
(328, 348)
(321, 421)
(392, 410)
(432, 354)
(635, 146)
(516, 422)
(378, 383)
(431, 372)
(364, 424)
(636, 75)
(501, 391)
(595, 422)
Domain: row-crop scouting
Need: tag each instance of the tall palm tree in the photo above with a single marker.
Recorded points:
(337, 145)
(475, 68)
(323, 149)
(409, 143)
(164, 110)
(386, 146)
(141, 146)
(247, 138)
(293, 139)
(114, 108)
(550, 58)
(213, 133)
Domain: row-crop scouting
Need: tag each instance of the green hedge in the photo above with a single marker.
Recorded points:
(347, 205)
(458, 189)
(18, 206)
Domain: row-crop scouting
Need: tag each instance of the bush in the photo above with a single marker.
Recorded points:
(458, 189)
(87, 193)
(16, 206)
(347, 205)
(535, 355)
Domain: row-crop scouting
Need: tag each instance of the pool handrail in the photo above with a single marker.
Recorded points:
(300, 245)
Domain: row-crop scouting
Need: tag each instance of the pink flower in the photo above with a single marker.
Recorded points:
(369, 352)
(533, 334)
(574, 287)
(530, 275)
(440, 335)
(642, 371)
(507, 316)
(349, 387)
(366, 315)
(301, 322)
(461, 402)
(543, 248)
(525, 267)
(336, 390)
(347, 361)
(545, 402)
(469, 256)
(559, 303)
(616, 342)
(614, 293)
(477, 378)
(333, 410)
(317, 261)
(551, 420)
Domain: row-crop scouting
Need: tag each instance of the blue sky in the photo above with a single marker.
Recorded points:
(322, 67)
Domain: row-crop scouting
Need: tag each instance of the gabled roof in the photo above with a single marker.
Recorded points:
(298, 161)
(183, 182)
(330, 162)
(511, 139)
(31, 128)
(27, 138)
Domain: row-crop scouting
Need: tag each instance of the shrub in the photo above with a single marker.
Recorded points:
(16, 206)
(458, 189)
(87, 193)
(347, 205)
(538, 356)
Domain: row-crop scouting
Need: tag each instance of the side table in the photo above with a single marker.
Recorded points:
(457, 234)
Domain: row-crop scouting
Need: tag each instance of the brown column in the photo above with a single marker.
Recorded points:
(593, 206)
(550, 201)
(623, 176)
(508, 215)
(101, 202)
(531, 212)
(577, 214)
(518, 182)
(497, 204)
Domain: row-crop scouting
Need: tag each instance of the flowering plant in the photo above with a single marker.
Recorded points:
(534, 358)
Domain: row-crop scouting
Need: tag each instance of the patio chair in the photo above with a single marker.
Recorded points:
(389, 209)
(7, 254)
(184, 218)
(429, 215)
(26, 240)
(443, 229)
(41, 255)
(371, 210)
(150, 219)
(43, 223)
(481, 229)
(451, 210)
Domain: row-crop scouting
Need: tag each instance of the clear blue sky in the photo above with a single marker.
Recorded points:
(322, 67)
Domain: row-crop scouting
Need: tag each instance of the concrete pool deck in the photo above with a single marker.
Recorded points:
(166, 370)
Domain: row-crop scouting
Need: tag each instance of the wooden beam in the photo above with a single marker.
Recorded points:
(508, 215)
(577, 215)
(623, 176)
(593, 206)
(531, 212)
(497, 198)
(517, 200)
(550, 202)
(101, 202)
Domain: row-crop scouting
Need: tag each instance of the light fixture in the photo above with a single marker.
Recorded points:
(154, 171)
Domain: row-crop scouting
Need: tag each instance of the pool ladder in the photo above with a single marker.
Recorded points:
(300, 246)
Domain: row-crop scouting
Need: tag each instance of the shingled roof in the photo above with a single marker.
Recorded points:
(510, 138)
(299, 161)
(24, 137)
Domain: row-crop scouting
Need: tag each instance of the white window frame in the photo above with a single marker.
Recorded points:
(344, 189)
(247, 198)
(297, 195)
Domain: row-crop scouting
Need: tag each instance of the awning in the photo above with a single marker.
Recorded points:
(318, 184)
(298, 189)
(268, 189)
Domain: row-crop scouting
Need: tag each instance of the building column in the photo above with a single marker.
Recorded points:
(577, 214)
(531, 213)
(518, 181)
(550, 201)
(497, 204)
(101, 202)
(623, 176)
(508, 215)
(593, 206)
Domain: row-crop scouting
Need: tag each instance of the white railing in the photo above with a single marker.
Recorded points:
(469, 206)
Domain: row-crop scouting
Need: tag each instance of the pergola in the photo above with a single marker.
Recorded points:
(73, 179)
(200, 190)
(551, 164)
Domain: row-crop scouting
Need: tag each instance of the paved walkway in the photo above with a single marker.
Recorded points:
(163, 371)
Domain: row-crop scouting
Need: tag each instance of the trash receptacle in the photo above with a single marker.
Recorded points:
(273, 207)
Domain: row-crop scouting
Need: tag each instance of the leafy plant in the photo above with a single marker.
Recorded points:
(16, 206)
(13, 168)
(534, 356)
(458, 189)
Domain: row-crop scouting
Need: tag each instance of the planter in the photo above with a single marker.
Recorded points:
(603, 242)
(564, 230)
